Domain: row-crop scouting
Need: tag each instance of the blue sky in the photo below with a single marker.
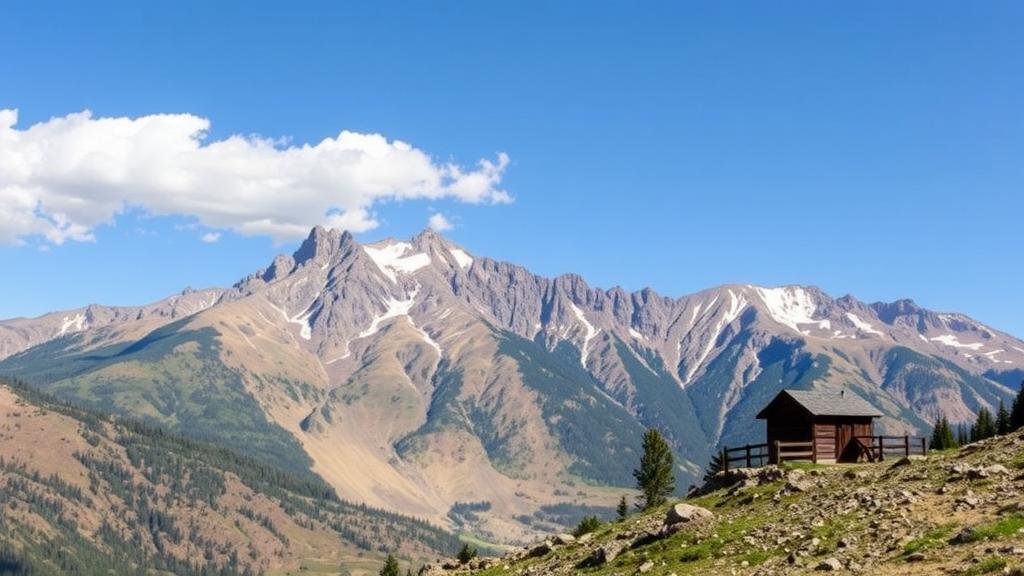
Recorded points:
(872, 148)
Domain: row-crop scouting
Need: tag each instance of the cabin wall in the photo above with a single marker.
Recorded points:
(825, 440)
(787, 425)
(834, 436)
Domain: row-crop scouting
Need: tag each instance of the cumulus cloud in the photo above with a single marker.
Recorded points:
(210, 237)
(439, 223)
(64, 177)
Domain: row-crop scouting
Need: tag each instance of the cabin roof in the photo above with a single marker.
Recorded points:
(830, 403)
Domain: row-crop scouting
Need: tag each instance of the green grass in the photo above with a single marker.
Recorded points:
(934, 538)
(986, 566)
(1005, 527)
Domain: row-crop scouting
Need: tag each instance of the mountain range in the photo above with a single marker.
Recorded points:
(418, 377)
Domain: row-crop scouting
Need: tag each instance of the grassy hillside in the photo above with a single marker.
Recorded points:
(81, 493)
(173, 377)
(957, 512)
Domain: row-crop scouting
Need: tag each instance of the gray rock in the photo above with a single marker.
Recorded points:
(686, 513)
(607, 553)
(564, 539)
(541, 549)
(963, 536)
(798, 486)
(829, 565)
(996, 470)
(977, 473)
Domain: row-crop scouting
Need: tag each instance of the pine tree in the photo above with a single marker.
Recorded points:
(1002, 420)
(466, 554)
(984, 427)
(390, 567)
(587, 525)
(962, 438)
(714, 467)
(654, 478)
(623, 509)
(1017, 413)
(942, 436)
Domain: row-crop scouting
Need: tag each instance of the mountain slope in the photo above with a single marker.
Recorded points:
(956, 512)
(416, 376)
(82, 494)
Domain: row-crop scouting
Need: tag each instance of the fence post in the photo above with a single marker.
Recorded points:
(906, 445)
(748, 455)
(924, 447)
(814, 448)
(778, 455)
(725, 459)
(881, 448)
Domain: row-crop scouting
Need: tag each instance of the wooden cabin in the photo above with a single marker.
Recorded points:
(826, 422)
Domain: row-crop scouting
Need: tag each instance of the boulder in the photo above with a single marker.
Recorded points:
(798, 485)
(908, 460)
(830, 565)
(997, 470)
(565, 539)
(645, 567)
(607, 553)
(963, 536)
(686, 513)
(977, 473)
(540, 549)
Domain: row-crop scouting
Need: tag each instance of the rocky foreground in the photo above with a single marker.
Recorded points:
(953, 512)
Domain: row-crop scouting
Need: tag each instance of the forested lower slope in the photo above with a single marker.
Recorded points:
(82, 493)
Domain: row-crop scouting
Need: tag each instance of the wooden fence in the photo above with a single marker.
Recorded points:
(876, 448)
(752, 455)
(869, 448)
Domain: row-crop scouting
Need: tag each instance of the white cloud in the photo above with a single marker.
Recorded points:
(439, 223)
(210, 237)
(64, 177)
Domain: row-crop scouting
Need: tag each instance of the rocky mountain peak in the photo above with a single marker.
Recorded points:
(321, 244)
(889, 312)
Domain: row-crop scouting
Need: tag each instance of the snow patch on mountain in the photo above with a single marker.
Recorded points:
(393, 309)
(394, 258)
(862, 325)
(305, 329)
(302, 319)
(78, 323)
(588, 336)
(636, 334)
(791, 306)
(735, 306)
(951, 340)
(426, 337)
(464, 260)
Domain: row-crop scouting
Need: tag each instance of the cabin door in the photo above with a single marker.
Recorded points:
(844, 436)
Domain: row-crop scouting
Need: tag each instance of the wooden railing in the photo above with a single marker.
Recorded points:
(752, 455)
(876, 448)
(757, 455)
(870, 448)
(796, 451)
